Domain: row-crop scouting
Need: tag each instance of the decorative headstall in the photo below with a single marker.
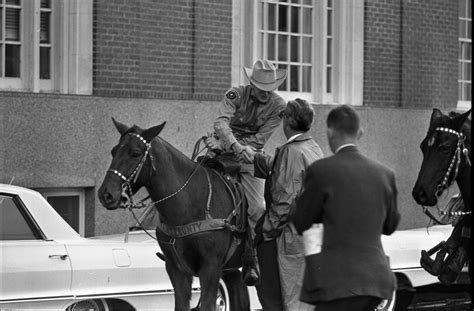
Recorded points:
(127, 184)
(455, 161)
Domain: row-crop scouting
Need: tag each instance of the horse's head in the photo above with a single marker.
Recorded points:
(131, 159)
(443, 151)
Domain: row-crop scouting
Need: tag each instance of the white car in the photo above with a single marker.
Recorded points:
(45, 264)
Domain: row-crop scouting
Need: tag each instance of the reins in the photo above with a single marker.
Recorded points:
(127, 188)
(455, 162)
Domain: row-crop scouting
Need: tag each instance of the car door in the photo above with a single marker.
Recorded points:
(32, 267)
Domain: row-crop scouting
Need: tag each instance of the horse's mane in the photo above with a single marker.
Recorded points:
(138, 130)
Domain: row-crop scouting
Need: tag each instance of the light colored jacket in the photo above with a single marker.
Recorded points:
(284, 174)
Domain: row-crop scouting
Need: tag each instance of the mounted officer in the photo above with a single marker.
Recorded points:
(247, 117)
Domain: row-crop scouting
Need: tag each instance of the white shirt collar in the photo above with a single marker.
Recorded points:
(343, 146)
(293, 137)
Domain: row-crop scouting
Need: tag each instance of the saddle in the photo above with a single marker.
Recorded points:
(224, 163)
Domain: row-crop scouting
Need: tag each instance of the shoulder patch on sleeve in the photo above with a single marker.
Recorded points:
(231, 94)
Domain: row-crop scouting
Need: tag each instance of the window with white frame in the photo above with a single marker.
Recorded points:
(285, 34)
(70, 205)
(319, 42)
(465, 55)
(46, 46)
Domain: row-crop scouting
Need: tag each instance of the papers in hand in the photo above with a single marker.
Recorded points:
(313, 239)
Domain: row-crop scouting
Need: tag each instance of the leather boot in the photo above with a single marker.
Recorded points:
(250, 269)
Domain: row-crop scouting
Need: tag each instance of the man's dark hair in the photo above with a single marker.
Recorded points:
(299, 114)
(344, 119)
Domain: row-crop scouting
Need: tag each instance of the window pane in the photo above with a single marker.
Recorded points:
(328, 80)
(307, 50)
(12, 61)
(45, 4)
(12, 24)
(13, 2)
(462, 8)
(294, 48)
(467, 72)
(271, 47)
(329, 23)
(468, 92)
(294, 79)
(295, 19)
(68, 208)
(1, 60)
(469, 30)
(44, 27)
(462, 29)
(295, 1)
(308, 2)
(306, 79)
(283, 86)
(13, 225)
(1, 25)
(271, 16)
(329, 52)
(307, 21)
(468, 10)
(45, 63)
(283, 18)
(282, 48)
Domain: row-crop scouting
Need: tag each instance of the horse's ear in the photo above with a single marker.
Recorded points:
(436, 114)
(152, 132)
(122, 128)
(460, 119)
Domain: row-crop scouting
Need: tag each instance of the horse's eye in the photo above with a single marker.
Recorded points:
(136, 154)
(444, 148)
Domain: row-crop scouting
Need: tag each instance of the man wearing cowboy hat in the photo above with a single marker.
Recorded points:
(247, 117)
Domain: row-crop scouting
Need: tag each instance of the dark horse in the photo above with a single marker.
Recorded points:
(196, 208)
(447, 159)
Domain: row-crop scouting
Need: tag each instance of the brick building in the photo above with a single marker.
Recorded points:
(68, 66)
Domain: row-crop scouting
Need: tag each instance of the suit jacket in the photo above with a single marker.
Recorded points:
(356, 200)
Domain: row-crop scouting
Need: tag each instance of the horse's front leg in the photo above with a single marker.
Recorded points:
(209, 278)
(182, 284)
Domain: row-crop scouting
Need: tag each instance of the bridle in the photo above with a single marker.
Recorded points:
(455, 162)
(127, 185)
(127, 181)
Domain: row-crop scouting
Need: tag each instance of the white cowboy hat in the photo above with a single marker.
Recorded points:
(265, 76)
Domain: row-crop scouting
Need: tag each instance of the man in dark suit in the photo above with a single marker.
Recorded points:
(355, 198)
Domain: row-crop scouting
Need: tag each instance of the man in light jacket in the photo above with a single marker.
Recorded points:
(279, 248)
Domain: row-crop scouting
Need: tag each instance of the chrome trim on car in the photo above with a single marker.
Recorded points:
(68, 297)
